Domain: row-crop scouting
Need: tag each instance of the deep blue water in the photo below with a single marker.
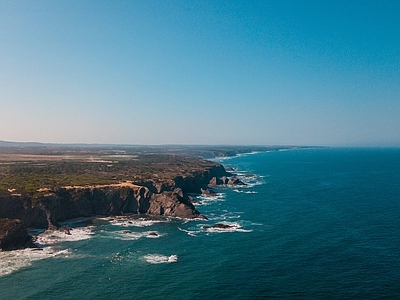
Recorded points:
(311, 224)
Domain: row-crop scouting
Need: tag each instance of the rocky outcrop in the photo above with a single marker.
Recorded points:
(14, 235)
(233, 181)
(172, 204)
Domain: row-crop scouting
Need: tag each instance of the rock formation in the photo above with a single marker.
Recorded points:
(233, 181)
(14, 235)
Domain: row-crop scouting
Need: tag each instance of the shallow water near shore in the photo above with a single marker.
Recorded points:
(310, 223)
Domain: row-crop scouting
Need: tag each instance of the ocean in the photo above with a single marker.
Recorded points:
(309, 224)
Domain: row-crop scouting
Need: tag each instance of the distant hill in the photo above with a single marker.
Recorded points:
(38, 144)
(20, 144)
(204, 151)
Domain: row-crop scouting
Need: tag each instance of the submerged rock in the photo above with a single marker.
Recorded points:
(219, 226)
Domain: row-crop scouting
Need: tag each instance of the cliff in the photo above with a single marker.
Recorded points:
(167, 198)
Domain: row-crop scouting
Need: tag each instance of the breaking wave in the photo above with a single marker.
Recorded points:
(208, 200)
(245, 192)
(131, 222)
(128, 235)
(160, 259)
(189, 232)
(11, 261)
(52, 237)
(46, 241)
(231, 227)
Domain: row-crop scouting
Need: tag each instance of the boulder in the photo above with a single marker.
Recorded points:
(14, 235)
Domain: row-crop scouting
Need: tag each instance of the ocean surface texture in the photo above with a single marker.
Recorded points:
(310, 224)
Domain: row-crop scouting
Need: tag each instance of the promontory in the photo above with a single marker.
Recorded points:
(42, 185)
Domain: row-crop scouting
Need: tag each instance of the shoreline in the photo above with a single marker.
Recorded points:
(154, 197)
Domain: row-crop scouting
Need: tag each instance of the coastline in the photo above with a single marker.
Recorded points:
(129, 198)
(154, 197)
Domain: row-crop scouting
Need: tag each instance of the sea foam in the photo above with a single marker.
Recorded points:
(11, 261)
(52, 237)
(189, 232)
(131, 236)
(160, 259)
(47, 243)
(129, 222)
(208, 200)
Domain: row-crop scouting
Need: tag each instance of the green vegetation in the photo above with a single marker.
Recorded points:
(21, 175)
(25, 168)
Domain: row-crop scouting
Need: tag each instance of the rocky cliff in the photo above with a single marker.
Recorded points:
(167, 198)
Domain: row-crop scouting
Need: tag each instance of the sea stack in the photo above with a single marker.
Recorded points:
(14, 235)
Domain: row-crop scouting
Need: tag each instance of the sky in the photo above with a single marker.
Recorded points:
(201, 72)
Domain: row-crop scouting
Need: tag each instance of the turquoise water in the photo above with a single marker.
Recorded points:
(314, 223)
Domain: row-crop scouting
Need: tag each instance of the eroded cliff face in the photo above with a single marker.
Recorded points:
(169, 198)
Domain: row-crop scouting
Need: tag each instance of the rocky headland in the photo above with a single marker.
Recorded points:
(162, 189)
(50, 206)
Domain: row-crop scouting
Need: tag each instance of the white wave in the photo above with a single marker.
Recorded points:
(11, 261)
(208, 200)
(128, 235)
(46, 241)
(211, 197)
(129, 222)
(245, 192)
(252, 179)
(283, 150)
(51, 237)
(256, 224)
(225, 215)
(160, 259)
(189, 232)
(223, 158)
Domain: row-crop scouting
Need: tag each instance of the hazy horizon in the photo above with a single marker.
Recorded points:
(83, 144)
(201, 72)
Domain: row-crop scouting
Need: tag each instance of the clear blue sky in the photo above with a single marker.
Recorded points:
(201, 72)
